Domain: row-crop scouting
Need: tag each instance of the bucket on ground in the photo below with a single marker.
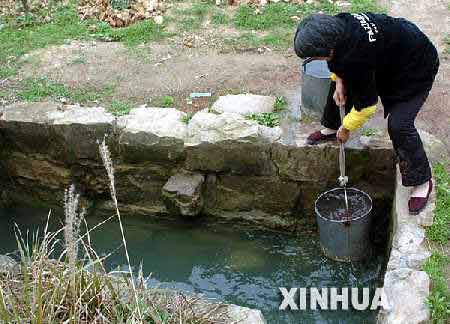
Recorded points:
(344, 237)
(316, 91)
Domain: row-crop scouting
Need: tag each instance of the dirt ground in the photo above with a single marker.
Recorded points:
(160, 69)
(171, 68)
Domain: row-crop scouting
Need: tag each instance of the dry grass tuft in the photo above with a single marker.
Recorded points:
(49, 288)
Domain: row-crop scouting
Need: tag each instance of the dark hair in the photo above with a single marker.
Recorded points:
(317, 35)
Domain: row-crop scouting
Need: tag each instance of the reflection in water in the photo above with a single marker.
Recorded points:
(241, 266)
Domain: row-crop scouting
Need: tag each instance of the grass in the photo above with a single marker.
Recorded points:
(41, 88)
(163, 102)
(440, 230)
(437, 265)
(192, 18)
(447, 42)
(271, 119)
(167, 101)
(219, 18)
(120, 108)
(280, 104)
(38, 89)
(272, 15)
(368, 131)
(74, 286)
(187, 118)
(17, 38)
(358, 6)
(439, 299)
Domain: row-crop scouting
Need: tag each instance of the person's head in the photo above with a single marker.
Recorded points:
(317, 36)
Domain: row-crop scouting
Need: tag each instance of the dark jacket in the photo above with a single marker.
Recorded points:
(383, 56)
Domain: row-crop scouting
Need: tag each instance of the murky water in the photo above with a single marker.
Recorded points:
(235, 265)
(332, 204)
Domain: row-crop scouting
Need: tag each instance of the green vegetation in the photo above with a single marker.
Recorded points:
(120, 108)
(42, 88)
(280, 20)
(51, 287)
(219, 18)
(439, 299)
(280, 104)
(164, 102)
(365, 5)
(368, 131)
(32, 90)
(271, 119)
(78, 60)
(439, 232)
(272, 15)
(18, 37)
(192, 18)
(447, 42)
(120, 4)
(167, 101)
(187, 118)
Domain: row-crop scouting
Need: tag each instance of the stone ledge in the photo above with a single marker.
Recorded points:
(406, 287)
(253, 168)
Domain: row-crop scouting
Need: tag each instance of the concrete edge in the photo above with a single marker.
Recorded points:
(406, 286)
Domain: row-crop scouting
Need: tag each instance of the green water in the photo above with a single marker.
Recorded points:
(236, 265)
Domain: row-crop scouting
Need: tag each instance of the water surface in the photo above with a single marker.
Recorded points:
(236, 265)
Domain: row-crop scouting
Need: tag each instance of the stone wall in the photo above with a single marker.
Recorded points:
(220, 165)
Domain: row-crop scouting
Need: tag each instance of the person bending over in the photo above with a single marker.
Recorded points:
(373, 55)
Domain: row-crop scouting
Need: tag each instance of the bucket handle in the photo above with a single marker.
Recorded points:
(306, 61)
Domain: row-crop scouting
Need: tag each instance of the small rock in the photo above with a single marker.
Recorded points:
(406, 292)
(7, 264)
(158, 20)
(244, 104)
(182, 194)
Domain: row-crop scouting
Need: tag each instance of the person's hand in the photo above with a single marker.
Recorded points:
(342, 134)
(339, 95)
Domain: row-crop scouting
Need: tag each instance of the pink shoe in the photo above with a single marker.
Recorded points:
(417, 204)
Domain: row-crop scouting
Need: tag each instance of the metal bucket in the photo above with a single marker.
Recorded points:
(316, 86)
(344, 239)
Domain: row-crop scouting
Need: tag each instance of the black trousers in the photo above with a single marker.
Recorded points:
(413, 161)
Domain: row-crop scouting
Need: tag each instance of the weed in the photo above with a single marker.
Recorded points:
(167, 101)
(365, 5)
(42, 88)
(280, 104)
(273, 15)
(91, 95)
(440, 230)
(7, 71)
(138, 33)
(267, 119)
(46, 290)
(447, 42)
(78, 60)
(368, 131)
(187, 118)
(119, 108)
(190, 23)
(219, 18)
(120, 4)
(439, 299)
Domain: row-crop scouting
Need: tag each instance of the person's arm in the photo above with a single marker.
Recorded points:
(356, 119)
(365, 98)
(340, 95)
